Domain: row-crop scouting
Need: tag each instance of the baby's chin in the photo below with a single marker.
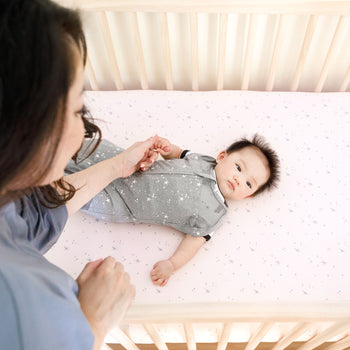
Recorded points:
(232, 196)
(227, 196)
(230, 199)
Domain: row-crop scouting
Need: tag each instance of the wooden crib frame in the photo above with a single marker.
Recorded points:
(306, 317)
(319, 61)
(332, 74)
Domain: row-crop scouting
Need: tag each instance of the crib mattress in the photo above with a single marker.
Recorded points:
(290, 245)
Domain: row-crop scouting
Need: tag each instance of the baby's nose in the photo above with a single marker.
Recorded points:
(235, 178)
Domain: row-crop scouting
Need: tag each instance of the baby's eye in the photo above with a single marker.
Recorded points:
(249, 184)
(238, 168)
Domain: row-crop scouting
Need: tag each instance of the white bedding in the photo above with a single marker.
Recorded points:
(291, 245)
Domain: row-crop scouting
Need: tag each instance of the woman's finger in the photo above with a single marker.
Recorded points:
(151, 158)
(151, 142)
(88, 270)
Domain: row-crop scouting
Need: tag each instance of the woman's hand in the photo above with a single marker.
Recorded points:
(105, 294)
(141, 155)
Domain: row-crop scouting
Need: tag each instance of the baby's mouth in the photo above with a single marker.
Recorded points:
(232, 185)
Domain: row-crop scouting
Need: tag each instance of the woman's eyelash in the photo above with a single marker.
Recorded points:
(83, 111)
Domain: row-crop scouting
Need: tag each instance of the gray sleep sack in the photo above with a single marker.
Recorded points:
(181, 193)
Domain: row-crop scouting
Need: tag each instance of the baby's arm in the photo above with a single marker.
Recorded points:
(186, 250)
(166, 149)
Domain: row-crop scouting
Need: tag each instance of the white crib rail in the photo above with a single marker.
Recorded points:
(215, 45)
(314, 324)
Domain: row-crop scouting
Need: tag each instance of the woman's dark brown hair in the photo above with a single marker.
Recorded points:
(37, 68)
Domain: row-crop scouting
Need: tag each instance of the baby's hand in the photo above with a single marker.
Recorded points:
(161, 272)
(162, 146)
(166, 149)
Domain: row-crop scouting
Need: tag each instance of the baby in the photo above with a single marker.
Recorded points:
(187, 191)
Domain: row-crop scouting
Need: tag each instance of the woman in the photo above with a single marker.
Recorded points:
(43, 123)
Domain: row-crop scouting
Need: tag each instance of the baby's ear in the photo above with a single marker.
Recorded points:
(221, 156)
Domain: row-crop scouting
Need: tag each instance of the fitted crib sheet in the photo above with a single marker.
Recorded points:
(289, 245)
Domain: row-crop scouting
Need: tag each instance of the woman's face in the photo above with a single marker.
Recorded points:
(70, 140)
(73, 132)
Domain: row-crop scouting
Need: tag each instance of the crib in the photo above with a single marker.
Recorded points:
(201, 73)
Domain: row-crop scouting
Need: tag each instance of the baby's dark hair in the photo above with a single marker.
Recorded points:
(268, 152)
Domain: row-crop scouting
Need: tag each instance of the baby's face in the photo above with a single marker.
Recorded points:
(241, 173)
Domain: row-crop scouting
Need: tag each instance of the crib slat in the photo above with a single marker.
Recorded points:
(123, 339)
(139, 52)
(222, 50)
(345, 82)
(249, 52)
(155, 336)
(91, 75)
(331, 53)
(107, 38)
(225, 336)
(327, 334)
(106, 347)
(304, 51)
(339, 345)
(294, 334)
(276, 54)
(194, 51)
(260, 334)
(190, 339)
(166, 51)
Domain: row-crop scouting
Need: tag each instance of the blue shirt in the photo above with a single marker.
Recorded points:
(38, 301)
